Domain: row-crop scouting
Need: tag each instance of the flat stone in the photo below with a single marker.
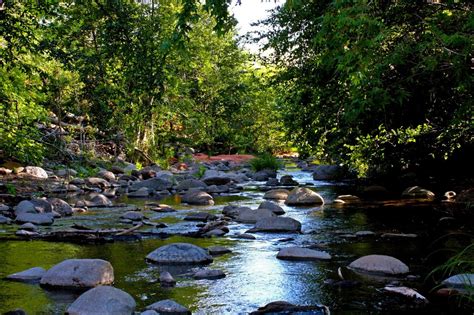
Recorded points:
(245, 236)
(364, 233)
(180, 253)
(168, 307)
(153, 184)
(35, 218)
(79, 273)
(103, 300)
(347, 199)
(209, 274)
(301, 196)
(299, 253)
(133, 216)
(379, 264)
(215, 232)
(29, 275)
(28, 226)
(277, 224)
(277, 194)
(460, 281)
(218, 250)
(282, 307)
(217, 180)
(276, 209)
(248, 215)
(143, 192)
(398, 235)
(26, 233)
(200, 216)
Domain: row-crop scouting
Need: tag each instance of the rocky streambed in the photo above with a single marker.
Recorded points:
(323, 246)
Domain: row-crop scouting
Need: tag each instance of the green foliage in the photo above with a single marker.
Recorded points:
(265, 161)
(11, 189)
(358, 78)
(200, 173)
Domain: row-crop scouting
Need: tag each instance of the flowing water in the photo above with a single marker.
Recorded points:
(255, 276)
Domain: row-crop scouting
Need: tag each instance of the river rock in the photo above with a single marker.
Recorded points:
(154, 183)
(327, 172)
(375, 192)
(66, 172)
(98, 201)
(28, 226)
(218, 250)
(287, 180)
(460, 281)
(97, 182)
(217, 180)
(379, 264)
(103, 300)
(209, 274)
(200, 216)
(417, 192)
(408, 292)
(277, 224)
(215, 232)
(303, 196)
(252, 216)
(143, 192)
(466, 196)
(133, 216)
(233, 211)
(282, 307)
(29, 275)
(300, 253)
(277, 194)
(190, 183)
(36, 171)
(5, 220)
(107, 175)
(245, 236)
(61, 206)
(197, 198)
(33, 206)
(364, 233)
(79, 273)
(168, 307)
(276, 209)
(272, 182)
(347, 199)
(166, 279)
(264, 175)
(35, 218)
(181, 254)
(26, 233)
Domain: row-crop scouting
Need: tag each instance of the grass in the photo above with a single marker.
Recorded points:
(265, 161)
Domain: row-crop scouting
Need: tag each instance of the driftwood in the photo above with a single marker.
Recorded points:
(136, 227)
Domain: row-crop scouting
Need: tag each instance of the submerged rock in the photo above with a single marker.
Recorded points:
(29, 275)
(277, 224)
(35, 218)
(5, 220)
(140, 193)
(103, 300)
(133, 216)
(218, 250)
(303, 196)
(190, 183)
(168, 307)
(198, 198)
(167, 280)
(79, 273)
(200, 216)
(417, 192)
(154, 183)
(347, 199)
(180, 253)
(209, 274)
(379, 264)
(282, 307)
(300, 253)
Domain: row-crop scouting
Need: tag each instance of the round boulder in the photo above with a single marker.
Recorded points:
(198, 198)
(104, 300)
(379, 264)
(301, 196)
(276, 209)
(277, 194)
(79, 273)
(180, 253)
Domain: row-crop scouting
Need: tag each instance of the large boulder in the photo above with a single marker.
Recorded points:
(35, 218)
(379, 264)
(103, 300)
(247, 215)
(61, 206)
(197, 198)
(327, 172)
(79, 273)
(417, 192)
(168, 307)
(300, 253)
(155, 183)
(107, 175)
(36, 171)
(33, 206)
(276, 209)
(277, 194)
(190, 183)
(301, 196)
(277, 224)
(180, 254)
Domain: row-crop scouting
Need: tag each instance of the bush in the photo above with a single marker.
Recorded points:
(265, 161)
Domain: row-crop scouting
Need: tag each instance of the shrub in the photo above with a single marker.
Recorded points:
(265, 161)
